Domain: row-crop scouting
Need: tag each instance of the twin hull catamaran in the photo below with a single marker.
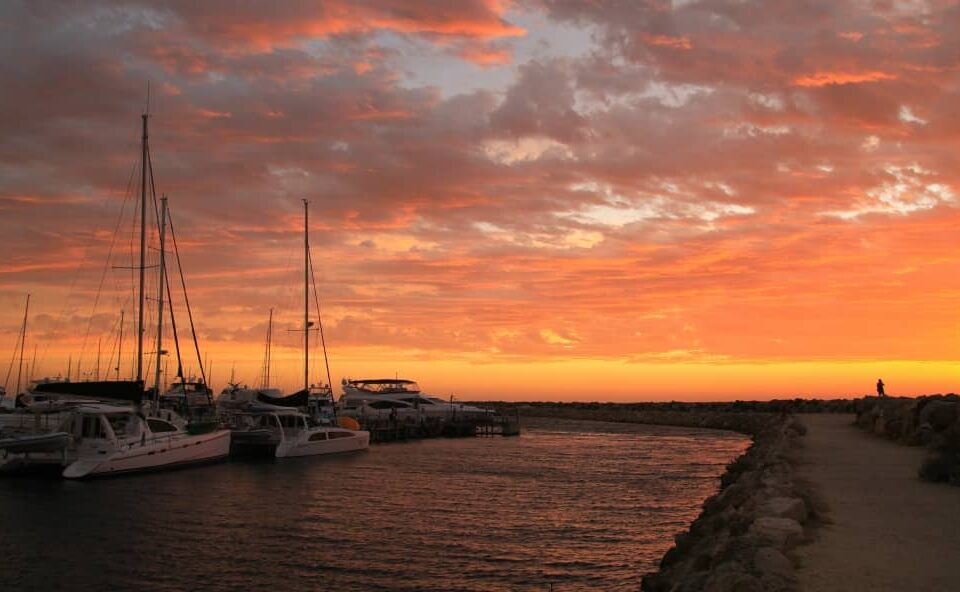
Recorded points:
(288, 432)
(297, 424)
(99, 438)
(102, 439)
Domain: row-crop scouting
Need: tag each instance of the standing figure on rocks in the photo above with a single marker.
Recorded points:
(880, 392)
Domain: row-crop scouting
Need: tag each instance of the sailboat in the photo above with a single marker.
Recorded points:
(110, 438)
(236, 395)
(290, 425)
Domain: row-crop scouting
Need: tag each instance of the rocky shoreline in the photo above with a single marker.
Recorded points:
(744, 537)
(932, 421)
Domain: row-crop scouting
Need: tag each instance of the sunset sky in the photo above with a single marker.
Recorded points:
(543, 199)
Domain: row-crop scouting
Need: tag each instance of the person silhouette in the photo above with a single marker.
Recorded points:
(880, 392)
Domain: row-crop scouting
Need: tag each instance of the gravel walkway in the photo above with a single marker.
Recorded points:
(887, 529)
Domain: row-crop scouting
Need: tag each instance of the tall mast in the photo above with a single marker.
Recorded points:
(306, 296)
(143, 245)
(119, 346)
(23, 339)
(163, 232)
(266, 370)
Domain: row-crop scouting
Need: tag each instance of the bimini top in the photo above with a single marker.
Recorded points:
(117, 390)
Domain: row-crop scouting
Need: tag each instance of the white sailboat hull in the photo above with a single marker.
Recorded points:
(156, 454)
(303, 446)
(45, 442)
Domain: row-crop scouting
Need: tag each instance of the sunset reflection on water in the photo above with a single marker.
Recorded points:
(578, 505)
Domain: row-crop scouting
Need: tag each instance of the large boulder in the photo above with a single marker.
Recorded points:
(939, 414)
(780, 532)
(768, 561)
(731, 577)
(784, 507)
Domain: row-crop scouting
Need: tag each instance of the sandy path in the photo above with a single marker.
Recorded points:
(889, 530)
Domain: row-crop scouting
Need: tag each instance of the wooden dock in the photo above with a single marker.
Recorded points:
(398, 430)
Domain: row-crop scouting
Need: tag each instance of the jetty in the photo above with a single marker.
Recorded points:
(385, 429)
(829, 497)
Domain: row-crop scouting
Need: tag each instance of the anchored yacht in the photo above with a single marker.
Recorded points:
(299, 424)
(398, 398)
(285, 431)
(101, 439)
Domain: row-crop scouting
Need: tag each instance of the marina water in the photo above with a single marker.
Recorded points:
(568, 505)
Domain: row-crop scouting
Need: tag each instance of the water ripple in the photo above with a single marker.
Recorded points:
(579, 505)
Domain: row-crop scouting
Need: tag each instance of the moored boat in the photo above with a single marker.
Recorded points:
(27, 443)
(99, 439)
(299, 424)
(286, 432)
(399, 398)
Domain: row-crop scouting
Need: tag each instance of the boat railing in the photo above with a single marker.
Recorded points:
(33, 422)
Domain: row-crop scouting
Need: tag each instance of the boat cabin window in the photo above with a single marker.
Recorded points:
(387, 405)
(159, 425)
(92, 427)
(418, 401)
(118, 422)
(290, 421)
(124, 424)
(318, 436)
(386, 387)
(334, 435)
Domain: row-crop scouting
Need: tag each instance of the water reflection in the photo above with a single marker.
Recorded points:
(579, 505)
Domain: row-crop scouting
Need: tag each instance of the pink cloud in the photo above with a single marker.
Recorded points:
(709, 182)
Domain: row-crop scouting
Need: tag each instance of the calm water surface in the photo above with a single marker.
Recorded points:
(579, 505)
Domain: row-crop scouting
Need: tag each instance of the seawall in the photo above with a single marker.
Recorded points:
(744, 537)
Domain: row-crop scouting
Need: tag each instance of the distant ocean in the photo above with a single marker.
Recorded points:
(576, 505)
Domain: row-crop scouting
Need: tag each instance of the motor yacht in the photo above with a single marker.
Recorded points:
(399, 398)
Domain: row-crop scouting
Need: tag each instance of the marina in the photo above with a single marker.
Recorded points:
(84, 428)
(479, 296)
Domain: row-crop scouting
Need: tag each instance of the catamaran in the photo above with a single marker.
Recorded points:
(298, 424)
(111, 438)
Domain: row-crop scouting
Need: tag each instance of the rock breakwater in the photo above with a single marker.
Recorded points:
(743, 539)
(932, 421)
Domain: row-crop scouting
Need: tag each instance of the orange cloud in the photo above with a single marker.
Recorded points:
(669, 41)
(486, 56)
(475, 19)
(747, 217)
(838, 78)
